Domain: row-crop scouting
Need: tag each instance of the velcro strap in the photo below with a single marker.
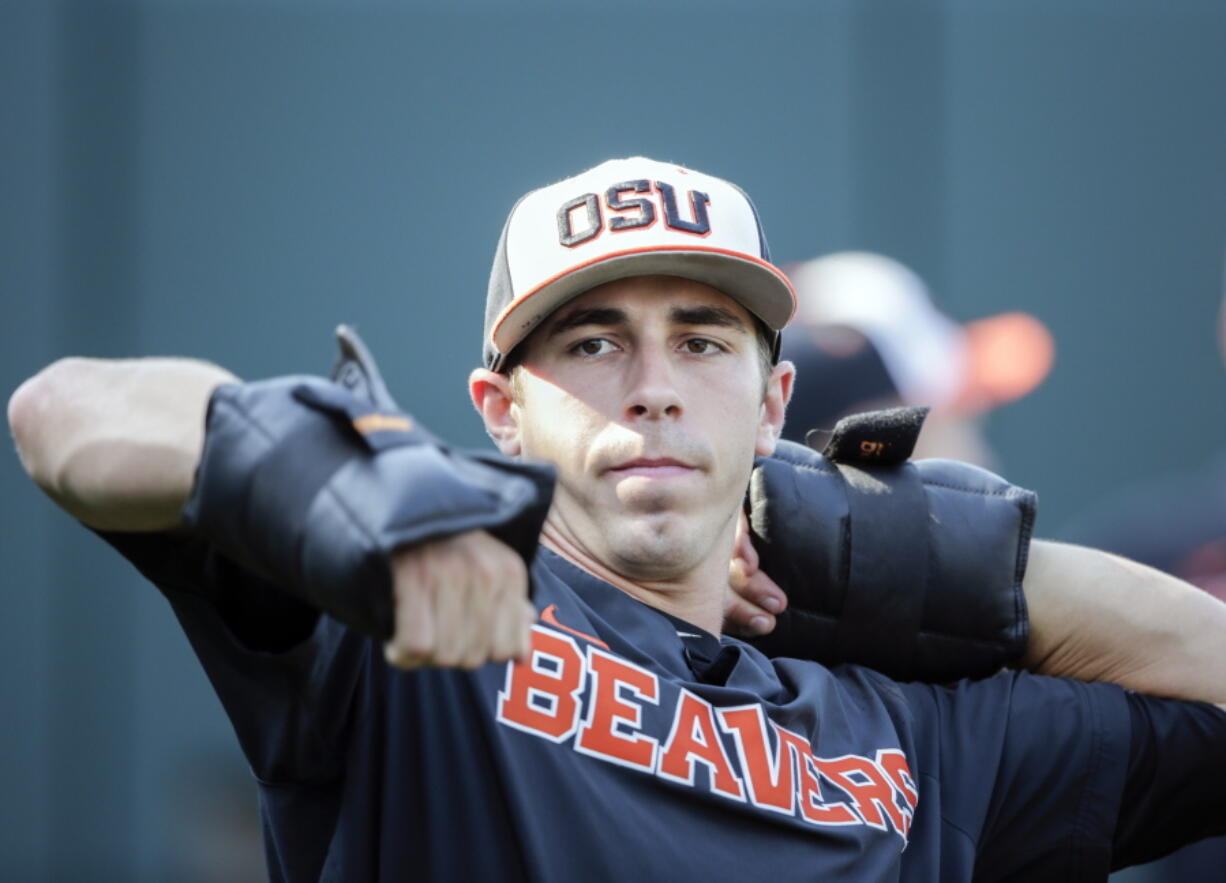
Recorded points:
(887, 578)
(379, 428)
(879, 438)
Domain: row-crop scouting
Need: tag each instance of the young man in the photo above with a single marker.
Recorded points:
(605, 730)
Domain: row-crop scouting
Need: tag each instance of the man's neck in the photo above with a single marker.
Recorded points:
(694, 597)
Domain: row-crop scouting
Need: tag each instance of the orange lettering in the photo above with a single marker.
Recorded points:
(812, 808)
(768, 776)
(869, 790)
(541, 694)
(600, 734)
(694, 740)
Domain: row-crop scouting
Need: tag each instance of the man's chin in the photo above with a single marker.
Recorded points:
(655, 546)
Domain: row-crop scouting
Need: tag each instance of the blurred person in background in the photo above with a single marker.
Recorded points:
(867, 335)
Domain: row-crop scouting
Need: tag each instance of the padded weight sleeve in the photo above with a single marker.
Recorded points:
(912, 568)
(309, 486)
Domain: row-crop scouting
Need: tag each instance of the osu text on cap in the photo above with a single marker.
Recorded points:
(584, 218)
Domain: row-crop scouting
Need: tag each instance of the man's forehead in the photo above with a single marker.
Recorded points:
(681, 300)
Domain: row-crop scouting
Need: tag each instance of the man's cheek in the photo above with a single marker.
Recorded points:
(544, 439)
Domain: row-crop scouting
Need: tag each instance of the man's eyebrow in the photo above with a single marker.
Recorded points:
(606, 316)
(591, 316)
(707, 315)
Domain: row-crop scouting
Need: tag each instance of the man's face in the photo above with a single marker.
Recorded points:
(647, 393)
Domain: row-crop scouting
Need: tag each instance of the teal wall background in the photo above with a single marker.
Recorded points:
(229, 180)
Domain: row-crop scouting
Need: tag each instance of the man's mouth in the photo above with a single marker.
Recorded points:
(652, 467)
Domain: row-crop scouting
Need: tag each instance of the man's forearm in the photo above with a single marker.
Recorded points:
(1096, 616)
(115, 442)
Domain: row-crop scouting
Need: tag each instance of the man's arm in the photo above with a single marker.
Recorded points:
(1099, 617)
(1093, 616)
(116, 443)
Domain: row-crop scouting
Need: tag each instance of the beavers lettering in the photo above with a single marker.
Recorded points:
(599, 699)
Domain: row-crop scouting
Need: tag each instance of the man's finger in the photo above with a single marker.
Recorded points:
(504, 581)
(744, 544)
(481, 610)
(761, 590)
(524, 639)
(738, 575)
(507, 627)
(413, 641)
(745, 618)
(756, 587)
(458, 611)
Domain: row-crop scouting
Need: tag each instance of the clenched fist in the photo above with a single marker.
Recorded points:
(460, 602)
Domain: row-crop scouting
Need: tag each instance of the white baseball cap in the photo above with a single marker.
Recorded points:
(628, 217)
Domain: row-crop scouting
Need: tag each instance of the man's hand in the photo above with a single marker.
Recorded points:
(461, 602)
(755, 598)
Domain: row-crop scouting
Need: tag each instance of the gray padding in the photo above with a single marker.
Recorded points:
(288, 489)
(914, 569)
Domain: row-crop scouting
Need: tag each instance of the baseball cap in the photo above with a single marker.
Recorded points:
(627, 217)
(929, 358)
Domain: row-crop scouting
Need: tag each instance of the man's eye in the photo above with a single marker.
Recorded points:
(700, 346)
(593, 346)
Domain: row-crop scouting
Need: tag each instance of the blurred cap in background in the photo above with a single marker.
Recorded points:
(867, 335)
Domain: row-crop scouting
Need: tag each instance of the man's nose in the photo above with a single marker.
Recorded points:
(653, 391)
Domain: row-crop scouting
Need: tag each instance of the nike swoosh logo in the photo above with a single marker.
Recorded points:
(549, 617)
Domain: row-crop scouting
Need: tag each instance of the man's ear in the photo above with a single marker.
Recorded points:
(491, 395)
(774, 404)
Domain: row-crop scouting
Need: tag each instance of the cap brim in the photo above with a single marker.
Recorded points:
(757, 285)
